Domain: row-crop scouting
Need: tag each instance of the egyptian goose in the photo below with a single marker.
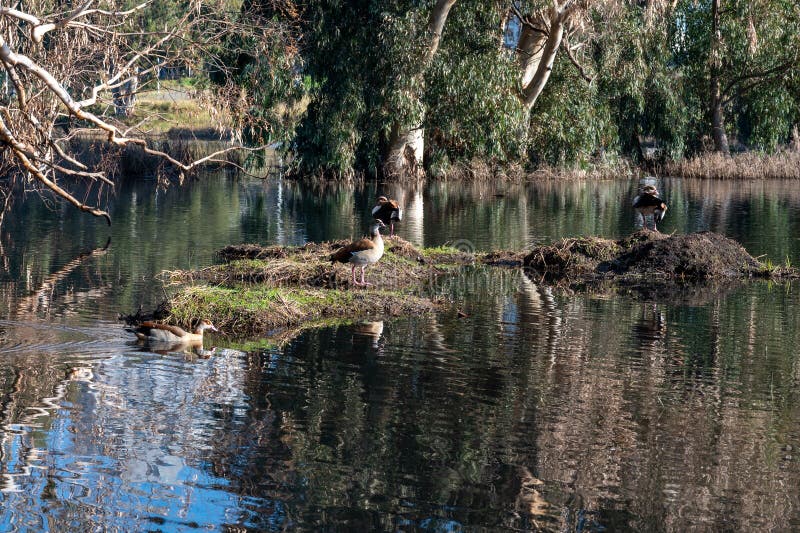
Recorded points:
(649, 203)
(154, 331)
(362, 252)
(388, 211)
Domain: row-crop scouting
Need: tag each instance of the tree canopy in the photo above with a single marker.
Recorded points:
(404, 87)
(540, 82)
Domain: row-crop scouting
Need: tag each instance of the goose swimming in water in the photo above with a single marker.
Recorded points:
(157, 332)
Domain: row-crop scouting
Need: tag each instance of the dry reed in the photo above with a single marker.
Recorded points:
(744, 166)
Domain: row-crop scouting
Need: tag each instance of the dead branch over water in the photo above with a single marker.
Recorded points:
(64, 70)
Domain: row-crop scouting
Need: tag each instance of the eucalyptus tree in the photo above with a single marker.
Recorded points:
(61, 64)
(370, 112)
(734, 53)
(366, 109)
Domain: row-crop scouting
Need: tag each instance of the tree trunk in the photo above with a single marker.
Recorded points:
(717, 111)
(718, 119)
(407, 142)
(544, 64)
(435, 28)
(404, 156)
(529, 52)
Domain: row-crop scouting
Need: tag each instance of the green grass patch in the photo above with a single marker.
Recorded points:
(158, 116)
(247, 311)
(272, 289)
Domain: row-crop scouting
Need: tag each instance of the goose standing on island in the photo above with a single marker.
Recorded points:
(156, 332)
(649, 203)
(387, 211)
(364, 252)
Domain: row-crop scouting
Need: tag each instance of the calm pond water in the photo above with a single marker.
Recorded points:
(539, 411)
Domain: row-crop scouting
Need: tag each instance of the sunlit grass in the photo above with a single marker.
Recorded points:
(153, 115)
(746, 166)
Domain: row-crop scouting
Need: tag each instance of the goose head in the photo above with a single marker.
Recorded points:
(375, 229)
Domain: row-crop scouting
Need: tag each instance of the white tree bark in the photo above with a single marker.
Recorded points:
(539, 54)
(404, 157)
(529, 52)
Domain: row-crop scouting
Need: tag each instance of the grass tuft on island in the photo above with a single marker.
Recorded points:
(263, 289)
(260, 290)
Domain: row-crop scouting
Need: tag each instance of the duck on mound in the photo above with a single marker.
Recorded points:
(388, 211)
(648, 203)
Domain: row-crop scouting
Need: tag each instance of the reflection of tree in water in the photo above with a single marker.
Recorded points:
(535, 411)
(40, 302)
(32, 385)
(649, 330)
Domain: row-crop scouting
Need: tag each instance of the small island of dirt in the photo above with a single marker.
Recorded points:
(259, 290)
(264, 290)
(648, 257)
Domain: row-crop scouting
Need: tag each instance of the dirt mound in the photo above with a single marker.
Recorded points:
(403, 248)
(234, 252)
(648, 255)
(696, 256)
(572, 257)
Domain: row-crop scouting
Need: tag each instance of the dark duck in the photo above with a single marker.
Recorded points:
(648, 203)
(387, 211)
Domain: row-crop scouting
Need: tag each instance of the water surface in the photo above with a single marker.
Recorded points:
(536, 411)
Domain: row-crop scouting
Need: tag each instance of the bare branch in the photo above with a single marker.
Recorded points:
(772, 73)
(196, 163)
(19, 150)
(526, 20)
(26, 17)
(94, 55)
(110, 83)
(21, 93)
(568, 49)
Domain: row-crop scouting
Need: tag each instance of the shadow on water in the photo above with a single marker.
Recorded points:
(516, 408)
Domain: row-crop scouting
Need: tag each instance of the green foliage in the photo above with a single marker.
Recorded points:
(472, 111)
(464, 101)
(340, 57)
(758, 65)
(360, 70)
(569, 122)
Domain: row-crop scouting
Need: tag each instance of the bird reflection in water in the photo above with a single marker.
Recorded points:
(650, 329)
(371, 331)
(189, 349)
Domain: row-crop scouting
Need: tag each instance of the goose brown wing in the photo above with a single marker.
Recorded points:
(344, 253)
(396, 211)
(147, 327)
